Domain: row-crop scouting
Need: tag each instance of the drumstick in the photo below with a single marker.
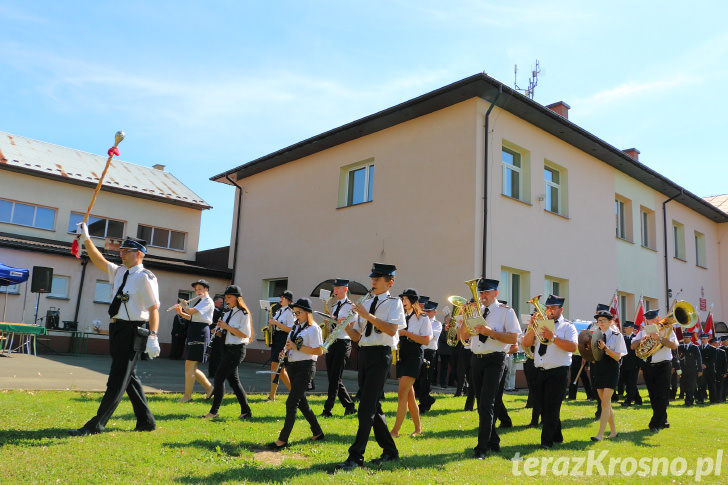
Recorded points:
(583, 362)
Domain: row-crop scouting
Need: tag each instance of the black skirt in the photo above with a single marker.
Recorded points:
(198, 338)
(279, 341)
(411, 358)
(606, 373)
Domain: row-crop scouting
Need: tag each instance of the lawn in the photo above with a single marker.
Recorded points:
(186, 449)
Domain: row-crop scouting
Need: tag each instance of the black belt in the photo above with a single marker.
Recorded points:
(489, 354)
(541, 369)
(119, 320)
(653, 364)
(374, 347)
(234, 345)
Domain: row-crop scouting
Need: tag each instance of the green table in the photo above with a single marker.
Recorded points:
(27, 334)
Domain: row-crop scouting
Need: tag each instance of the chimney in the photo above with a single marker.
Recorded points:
(632, 152)
(159, 166)
(560, 108)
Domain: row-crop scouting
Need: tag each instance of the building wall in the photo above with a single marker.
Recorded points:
(133, 211)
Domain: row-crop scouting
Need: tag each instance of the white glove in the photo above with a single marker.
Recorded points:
(82, 230)
(152, 346)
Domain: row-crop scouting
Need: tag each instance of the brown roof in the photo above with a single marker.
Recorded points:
(720, 201)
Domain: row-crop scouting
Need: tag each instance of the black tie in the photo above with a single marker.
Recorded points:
(483, 338)
(116, 302)
(541, 349)
(336, 312)
(372, 309)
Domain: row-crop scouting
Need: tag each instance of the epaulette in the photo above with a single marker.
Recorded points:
(503, 305)
(149, 274)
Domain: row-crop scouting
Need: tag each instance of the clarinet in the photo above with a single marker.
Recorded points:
(282, 360)
(217, 333)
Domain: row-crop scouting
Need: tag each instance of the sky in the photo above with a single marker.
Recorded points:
(203, 87)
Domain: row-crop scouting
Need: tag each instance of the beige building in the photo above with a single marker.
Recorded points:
(472, 180)
(46, 190)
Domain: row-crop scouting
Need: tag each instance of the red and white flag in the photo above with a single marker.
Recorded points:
(697, 329)
(639, 318)
(614, 310)
(709, 325)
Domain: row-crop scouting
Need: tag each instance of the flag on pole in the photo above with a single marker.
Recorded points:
(709, 325)
(614, 310)
(639, 318)
(697, 329)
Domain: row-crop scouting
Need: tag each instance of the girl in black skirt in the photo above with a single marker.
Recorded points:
(282, 323)
(303, 348)
(606, 370)
(198, 337)
(238, 334)
(417, 333)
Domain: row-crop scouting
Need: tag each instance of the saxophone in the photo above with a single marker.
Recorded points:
(325, 327)
(340, 327)
(268, 330)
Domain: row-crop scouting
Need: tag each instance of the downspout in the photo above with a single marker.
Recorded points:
(237, 226)
(84, 263)
(485, 182)
(664, 240)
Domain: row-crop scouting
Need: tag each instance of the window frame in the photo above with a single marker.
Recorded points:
(150, 240)
(678, 241)
(96, 291)
(59, 296)
(700, 255)
(72, 225)
(347, 196)
(647, 228)
(13, 289)
(625, 223)
(514, 168)
(550, 288)
(35, 207)
(514, 284)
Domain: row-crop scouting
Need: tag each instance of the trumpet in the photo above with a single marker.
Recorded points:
(340, 327)
(540, 315)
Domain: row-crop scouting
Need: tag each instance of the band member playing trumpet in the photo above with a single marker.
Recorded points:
(489, 350)
(606, 370)
(303, 346)
(656, 371)
(238, 333)
(338, 354)
(417, 332)
(282, 322)
(552, 360)
(198, 336)
(381, 316)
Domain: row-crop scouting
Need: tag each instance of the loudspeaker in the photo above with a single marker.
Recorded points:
(42, 280)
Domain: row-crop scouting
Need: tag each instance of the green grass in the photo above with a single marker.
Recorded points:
(35, 447)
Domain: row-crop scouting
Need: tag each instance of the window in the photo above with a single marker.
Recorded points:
(623, 213)
(650, 303)
(27, 215)
(511, 173)
(511, 289)
(102, 291)
(700, 250)
(647, 228)
(625, 301)
(555, 189)
(556, 286)
(356, 182)
(98, 226)
(678, 240)
(162, 238)
(272, 290)
(59, 287)
(10, 289)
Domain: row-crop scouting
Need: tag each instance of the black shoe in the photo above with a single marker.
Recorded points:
(320, 437)
(247, 415)
(654, 430)
(385, 458)
(458, 393)
(533, 425)
(480, 455)
(423, 408)
(665, 426)
(546, 447)
(506, 424)
(626, 404)
(146, 428)
(351, 410)
(82, 432)
(275, 447)
(326, 414)
(348, 465)
(494, 448)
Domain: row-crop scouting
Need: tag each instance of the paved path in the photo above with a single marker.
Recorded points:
(89, 373)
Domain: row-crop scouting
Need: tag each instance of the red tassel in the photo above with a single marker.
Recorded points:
(113, 151)
(74, 249)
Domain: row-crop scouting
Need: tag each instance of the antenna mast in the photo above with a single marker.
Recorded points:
(532, 81)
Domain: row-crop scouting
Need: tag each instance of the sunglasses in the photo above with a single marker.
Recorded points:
(298, 312)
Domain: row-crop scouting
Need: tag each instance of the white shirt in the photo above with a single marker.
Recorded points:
(501, 318)
(615, 341)
(141, 287)
(436, 331)
(285, 316)
(555, 356)
(664, 353)
(420, 326)
(205, 308)
(343, 311)
(311, 336)
(239, 320)
(389, 309)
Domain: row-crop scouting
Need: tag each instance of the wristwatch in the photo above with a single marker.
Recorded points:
(152, 333)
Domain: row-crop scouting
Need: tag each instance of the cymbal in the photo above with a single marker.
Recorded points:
(596, 337)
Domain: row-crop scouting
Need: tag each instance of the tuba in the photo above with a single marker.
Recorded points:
(452, 332)
(540, 315)
(682, 313)
(470, 311)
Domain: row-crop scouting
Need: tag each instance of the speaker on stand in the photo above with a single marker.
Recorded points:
(41, 283)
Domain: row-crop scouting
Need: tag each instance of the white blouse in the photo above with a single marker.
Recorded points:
(239, 320)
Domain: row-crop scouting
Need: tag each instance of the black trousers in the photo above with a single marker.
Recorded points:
(632, 393)
(574, 387)
(179, 335)
(501, 413)
(423, 385)
(336, 359)
(444, 369)
(529, 370)
(216, 354)
(550, 390)
(122, 378)
(230, 358)
(462, 367)
(374, 366)
(300, 373)
(706, 387)
(487, 372)
(657, 378)
(688, 386)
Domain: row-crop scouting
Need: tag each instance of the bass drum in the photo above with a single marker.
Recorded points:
(585, 346)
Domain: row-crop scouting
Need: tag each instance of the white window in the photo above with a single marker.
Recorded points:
(162, 238)
(27, 215)
(272, 290)
(556, 286)
(102, 291)
(678, 240)
(10, 289)
(700, 250)
(98, 226)
(511, 289)
(624, 300)
(59, 287)
(552, 178)
(647, 227)
(623, 213)
(512, 166)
